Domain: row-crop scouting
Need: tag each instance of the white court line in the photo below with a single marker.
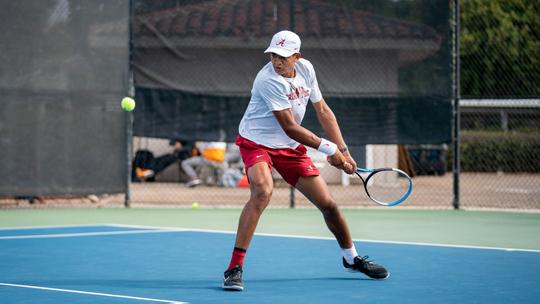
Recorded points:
(158, 229)
(333, 239)
(53, 226)
(93, 293)
(79, 234)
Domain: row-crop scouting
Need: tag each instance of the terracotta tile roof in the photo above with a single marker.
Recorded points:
(254, 19)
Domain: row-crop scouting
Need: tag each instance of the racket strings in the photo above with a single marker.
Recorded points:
(387, 186)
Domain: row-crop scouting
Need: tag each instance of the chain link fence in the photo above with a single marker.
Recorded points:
(500, 106)
(500, 140)
(384, 59)
(185, 69)
(499, 128)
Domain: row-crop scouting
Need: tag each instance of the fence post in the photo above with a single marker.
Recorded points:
(292, 201)
(129, 115)
(292, 25)
(455, 112)
(129, 139)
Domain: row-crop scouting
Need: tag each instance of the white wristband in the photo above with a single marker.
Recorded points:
(327, 147)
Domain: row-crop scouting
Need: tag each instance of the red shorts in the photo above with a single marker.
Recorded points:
(291, 164)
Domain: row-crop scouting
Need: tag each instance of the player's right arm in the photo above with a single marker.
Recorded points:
(306, 137)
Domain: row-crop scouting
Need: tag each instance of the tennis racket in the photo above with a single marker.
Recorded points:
(386, 186)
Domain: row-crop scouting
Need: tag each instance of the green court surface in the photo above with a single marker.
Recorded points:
(469, 228)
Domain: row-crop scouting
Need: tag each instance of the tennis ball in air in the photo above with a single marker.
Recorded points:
(194, 205)
(128, 104)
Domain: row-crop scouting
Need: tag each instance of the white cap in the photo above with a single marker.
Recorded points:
(285, 44)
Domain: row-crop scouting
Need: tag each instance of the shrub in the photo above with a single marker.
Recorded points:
(483, 151)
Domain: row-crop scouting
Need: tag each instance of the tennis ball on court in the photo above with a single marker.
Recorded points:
(128, 104)
(194, 205)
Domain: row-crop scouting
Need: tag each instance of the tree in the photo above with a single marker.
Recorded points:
(499, 46)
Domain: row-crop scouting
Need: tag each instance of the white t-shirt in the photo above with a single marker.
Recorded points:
(273, 92)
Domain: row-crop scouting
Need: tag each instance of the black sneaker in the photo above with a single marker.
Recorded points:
(232, 279)
(366, 267)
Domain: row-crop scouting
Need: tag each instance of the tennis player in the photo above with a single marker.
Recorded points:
(271, 136)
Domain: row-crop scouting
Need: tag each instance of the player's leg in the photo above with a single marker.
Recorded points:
(261, 186)
(316, 190)
(162, 162)
(189, 166)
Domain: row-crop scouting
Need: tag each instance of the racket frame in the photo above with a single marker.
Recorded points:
(372, 172)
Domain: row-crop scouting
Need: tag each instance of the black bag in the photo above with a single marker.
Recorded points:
(143, 159)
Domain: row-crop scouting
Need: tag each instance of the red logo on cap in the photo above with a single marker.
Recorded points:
(281, 43)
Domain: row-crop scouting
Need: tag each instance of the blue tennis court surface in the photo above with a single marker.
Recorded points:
(120, 264)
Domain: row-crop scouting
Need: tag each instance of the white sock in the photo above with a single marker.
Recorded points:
(349, 254)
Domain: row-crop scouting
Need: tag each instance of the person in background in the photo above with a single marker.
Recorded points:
(146, 166)
(235, 167)
(211, 154)
(271, 135)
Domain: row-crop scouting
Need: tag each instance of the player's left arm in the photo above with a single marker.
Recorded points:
(329, 123)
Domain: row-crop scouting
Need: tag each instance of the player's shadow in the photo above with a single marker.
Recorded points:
(177, 284)
(290, 280)
(294, 281)
(119, 284)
